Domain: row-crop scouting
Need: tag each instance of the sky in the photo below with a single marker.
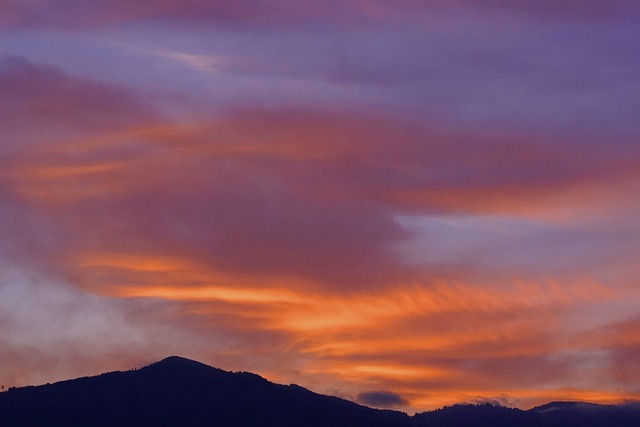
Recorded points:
(404, 203)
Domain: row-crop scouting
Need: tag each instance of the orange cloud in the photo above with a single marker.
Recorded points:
(407, 338)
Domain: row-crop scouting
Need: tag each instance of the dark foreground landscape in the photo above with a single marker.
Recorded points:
(183, 393)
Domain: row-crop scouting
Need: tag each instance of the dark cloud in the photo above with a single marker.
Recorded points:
(41, 100)
(383, 399)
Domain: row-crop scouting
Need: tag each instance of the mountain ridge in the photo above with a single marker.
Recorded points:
(181, 392)
(177, 391)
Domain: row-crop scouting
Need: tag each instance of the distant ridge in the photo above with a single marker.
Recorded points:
(179, 392)
(553, 414)
(568, 406)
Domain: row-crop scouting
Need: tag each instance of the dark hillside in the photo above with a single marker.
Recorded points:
(181, 392)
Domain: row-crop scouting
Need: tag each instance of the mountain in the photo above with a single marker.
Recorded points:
(178, 392)
(466, 415)
(582, 414)
(554, 414)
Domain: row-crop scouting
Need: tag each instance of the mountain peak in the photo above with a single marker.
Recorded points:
(177, 366)
(177, 361)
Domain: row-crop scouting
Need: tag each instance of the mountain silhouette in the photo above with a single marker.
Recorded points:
(179, 392)
(554, 414)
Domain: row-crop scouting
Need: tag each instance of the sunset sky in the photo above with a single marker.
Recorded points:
(407, 203)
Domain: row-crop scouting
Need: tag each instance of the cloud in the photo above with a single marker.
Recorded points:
(47, 322)
(383, 399)
(40, 108)
(199, 62)
(301, 195)
(268, 239)
(504, 401)
(37, 98)
(486, 68)
(325, 189)
(274, 12)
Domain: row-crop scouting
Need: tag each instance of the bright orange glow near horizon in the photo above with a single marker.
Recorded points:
(436, 201)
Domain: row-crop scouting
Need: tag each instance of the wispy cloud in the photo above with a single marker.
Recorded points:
(206, 63)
